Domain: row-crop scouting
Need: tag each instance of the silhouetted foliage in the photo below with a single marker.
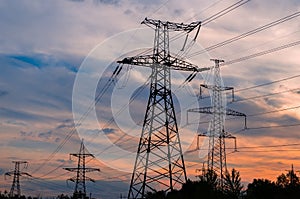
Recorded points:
(210, 177)
(262, 189)
(232, 184)
(156, 195)
(5, 195)
(286, 186)
(62, 196)
(206, 187)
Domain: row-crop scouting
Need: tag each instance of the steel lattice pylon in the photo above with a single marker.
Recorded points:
(15, 190)
(216, 158)
(81, 170)
(159, 162)
(217, 154)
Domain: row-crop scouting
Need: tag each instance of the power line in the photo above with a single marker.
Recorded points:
(274, 111)
(256, 147)
(289, 45)
(266, 95)
(265, 151)
(120, 111)
(268, 83)
(214, 17)
(252, 115)
(259, 85)
(269, 146)
(224, 11)
(47, 184)
(272, 40)
(83, 117)
(55, 169)
(273, 126)
(213, 4)
(246, 34)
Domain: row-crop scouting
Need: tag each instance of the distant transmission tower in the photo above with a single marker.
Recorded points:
(15, 191)
(81, 170)
(159, 161)
(217, 150)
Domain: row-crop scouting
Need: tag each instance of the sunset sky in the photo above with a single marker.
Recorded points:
(56, 56)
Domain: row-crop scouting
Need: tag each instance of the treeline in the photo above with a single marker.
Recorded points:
(5, 195)
(208, 186)
(287, 186)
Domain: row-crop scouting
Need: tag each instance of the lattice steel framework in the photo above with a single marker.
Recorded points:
(81, 170)
(159, 161)
(15, 191)
(216, 159)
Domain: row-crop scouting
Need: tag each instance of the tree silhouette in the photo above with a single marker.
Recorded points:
(232, 184)
(156, 195)
(282, 181)
(210, 177)
(262, 189)
(289, 184)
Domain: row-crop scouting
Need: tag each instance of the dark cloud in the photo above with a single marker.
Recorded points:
(44, 146)
(16, 123)
(23, 115)
(77, 0)
(45, 135)
(40, 60)
(26, 134)
(65, 124)
(128, 12)
(111, 2)
(3, 93)
(108, 131)
(61, 160)
(178, 12)
(10, 113)
(273, 102)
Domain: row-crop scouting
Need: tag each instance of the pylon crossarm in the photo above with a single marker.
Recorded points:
(27, 174)
(172, 62)
(91, 169)
(75, 169)
(71, 169)
(209, 110)
(172, 26)
(84, 154)
(90, 179)
(72, 179)
(238, 114)
(9, 173)
(234, 113)
(20, 162)
(206, 110)
(219, 88)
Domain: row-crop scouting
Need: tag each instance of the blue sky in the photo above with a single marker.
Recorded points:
(42, 52)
